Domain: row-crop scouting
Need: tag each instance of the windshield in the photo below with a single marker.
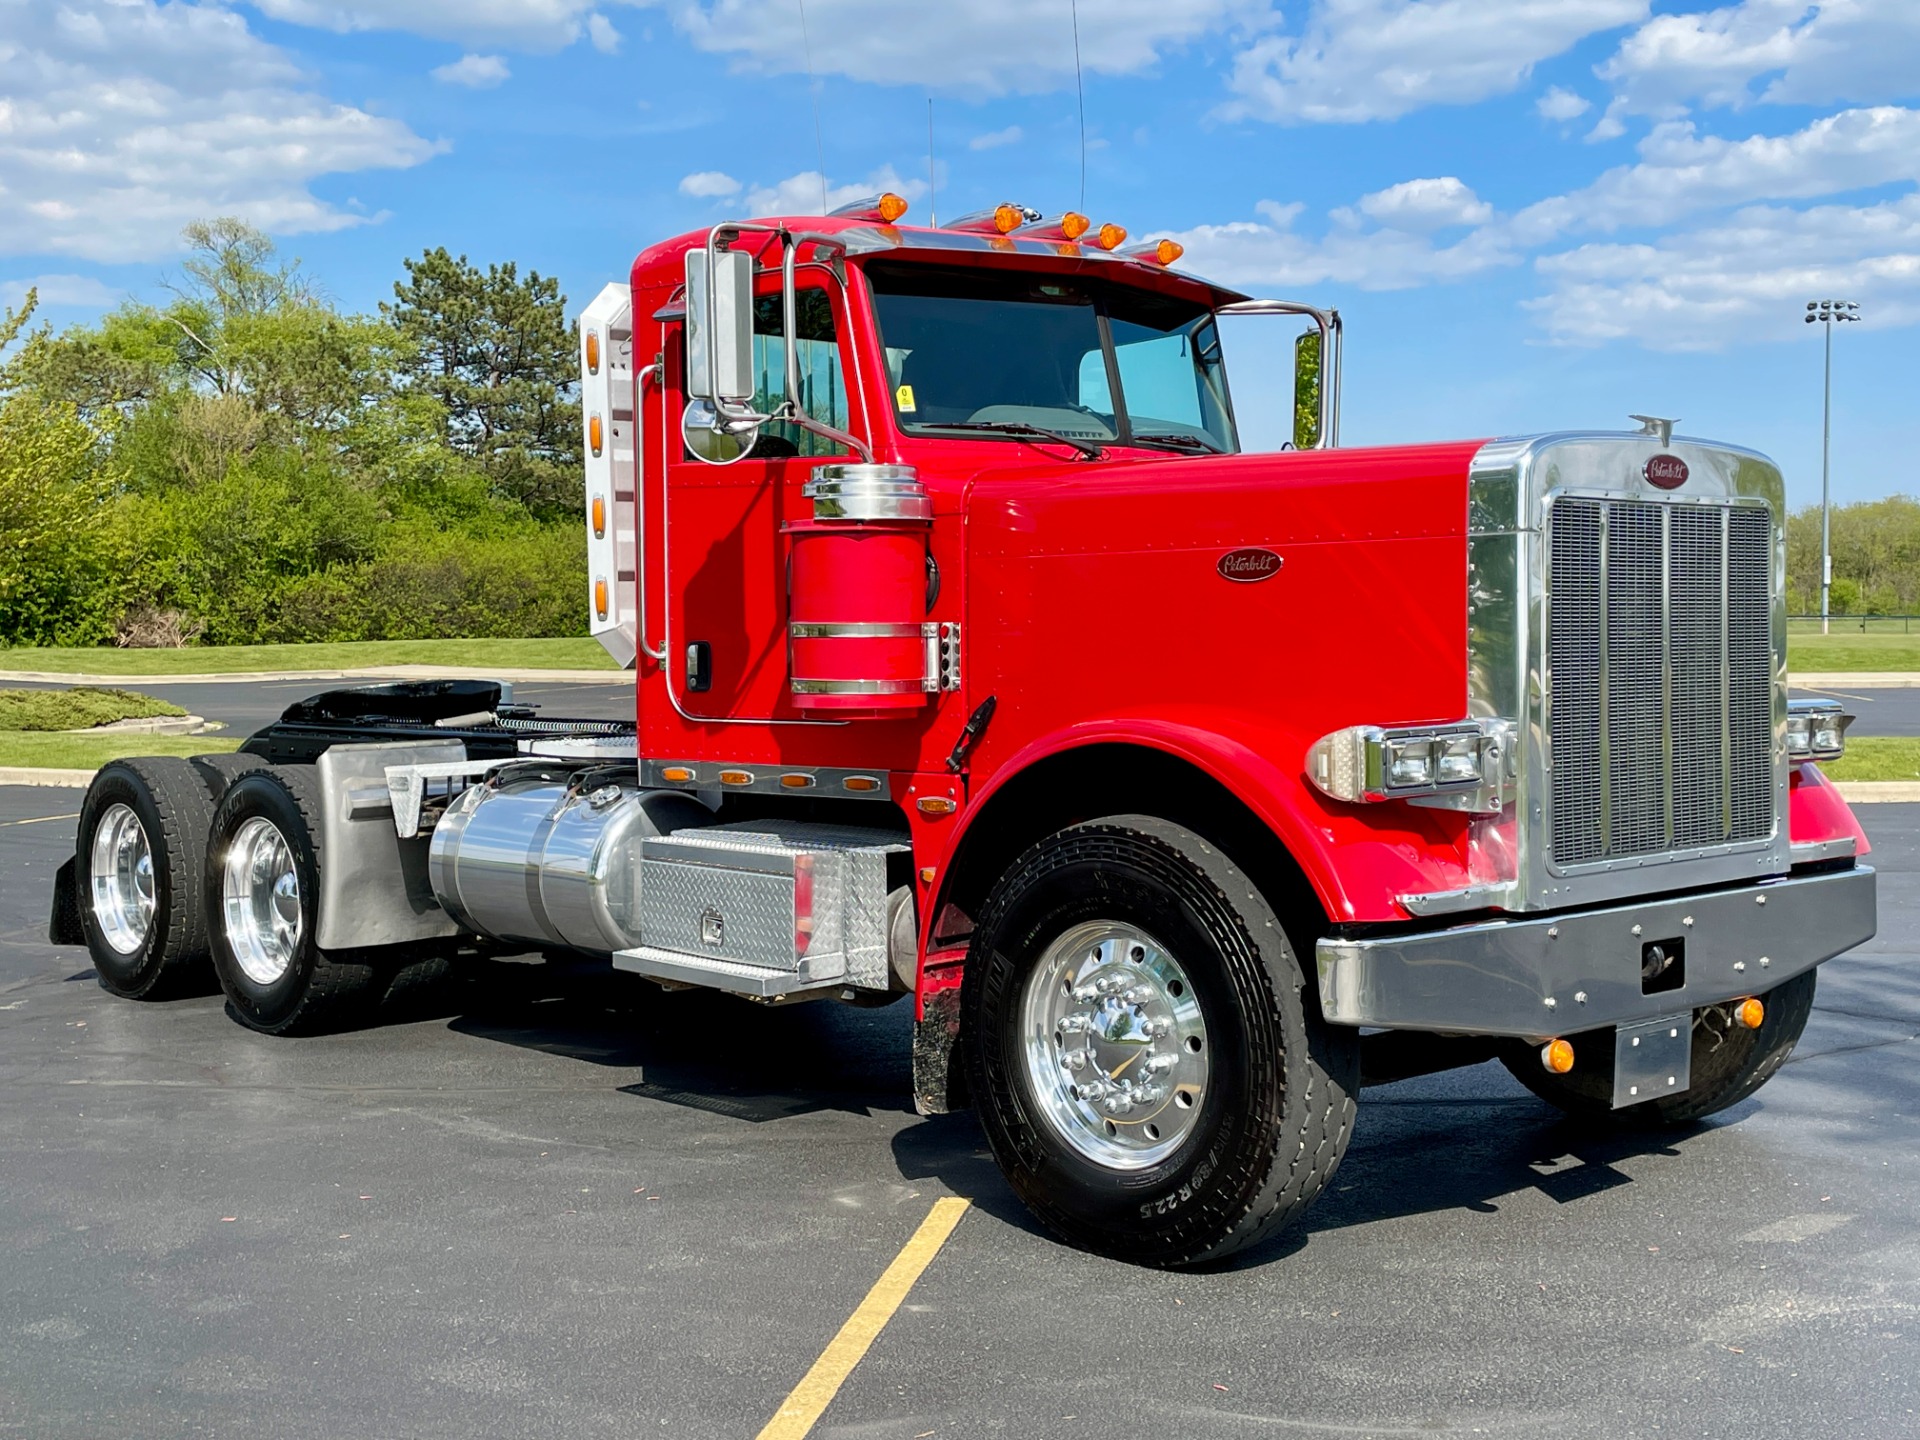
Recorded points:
(1086, 359)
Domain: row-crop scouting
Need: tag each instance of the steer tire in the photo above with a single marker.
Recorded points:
(1723, 1073)
(167, 799)
(314, 990)
(1277, 1104)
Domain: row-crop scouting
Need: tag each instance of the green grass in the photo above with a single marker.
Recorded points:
(571, 653)
(1877, 757)
(1814, 654)
(90, 752)
(77, 709)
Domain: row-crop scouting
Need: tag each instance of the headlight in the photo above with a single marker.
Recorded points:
(1816, 730)
(1463, 764)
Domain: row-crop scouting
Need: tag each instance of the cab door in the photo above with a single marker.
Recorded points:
(727, 557)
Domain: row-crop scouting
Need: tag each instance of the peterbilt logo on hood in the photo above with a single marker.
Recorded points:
(1248, 565)
(1669, 472)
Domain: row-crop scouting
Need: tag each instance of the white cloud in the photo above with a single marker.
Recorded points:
(1789, 51)
(1746, 279)
(994, 139)
(536, 25)
(984, 47)
(1255, 256)
(801, 194)
(1563, 105)
(476, 72)
(605, 38)
(1358, 60)
(709, 184)
(125, 119)
(1425, 205)
(1681, 171)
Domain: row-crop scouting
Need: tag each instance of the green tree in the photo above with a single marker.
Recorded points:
(496, 351)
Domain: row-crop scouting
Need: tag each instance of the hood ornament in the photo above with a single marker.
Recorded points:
(1661, 430)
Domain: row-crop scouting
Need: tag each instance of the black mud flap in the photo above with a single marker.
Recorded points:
(64, 926)
(939, 1077)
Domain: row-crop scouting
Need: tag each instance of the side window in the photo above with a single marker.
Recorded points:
(823, 390)
(1158, 375)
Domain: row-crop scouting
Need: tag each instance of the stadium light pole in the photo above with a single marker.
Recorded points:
(1827, 312)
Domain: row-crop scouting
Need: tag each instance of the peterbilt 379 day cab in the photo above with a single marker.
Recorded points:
(1184, 790)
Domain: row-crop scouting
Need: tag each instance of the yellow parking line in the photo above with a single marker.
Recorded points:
(39, 820)
(810, 1398)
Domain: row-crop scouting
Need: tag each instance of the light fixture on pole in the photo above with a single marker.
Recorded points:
(1826, 312)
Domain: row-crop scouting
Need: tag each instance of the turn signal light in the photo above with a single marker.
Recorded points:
(593, 352)
(599, 517)
(1557, 1056)
(1750, 1013)
(935, 805)
(595, 435)
(1110, 237)
(600, 598)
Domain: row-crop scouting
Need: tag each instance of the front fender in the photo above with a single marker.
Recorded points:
(1358, 859)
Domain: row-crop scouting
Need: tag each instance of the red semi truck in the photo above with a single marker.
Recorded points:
(1185, 790)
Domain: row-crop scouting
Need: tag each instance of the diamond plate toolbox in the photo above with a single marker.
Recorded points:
(781, 895)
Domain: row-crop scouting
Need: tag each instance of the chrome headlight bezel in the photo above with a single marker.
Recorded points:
(1465, 765)
(1816, 730)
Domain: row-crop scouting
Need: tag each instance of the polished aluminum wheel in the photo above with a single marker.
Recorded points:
(260, 901)
(1115, 1045)
(120, 868)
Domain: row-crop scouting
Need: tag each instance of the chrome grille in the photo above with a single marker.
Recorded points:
(1660, 688)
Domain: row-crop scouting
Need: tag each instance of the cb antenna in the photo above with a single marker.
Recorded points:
(933, 215)
(1080, 89)
(813, 90)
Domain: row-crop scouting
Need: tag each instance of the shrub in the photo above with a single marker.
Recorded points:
(79, 708)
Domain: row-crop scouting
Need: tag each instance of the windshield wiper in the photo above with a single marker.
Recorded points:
(1016, 427)
(1185, 444)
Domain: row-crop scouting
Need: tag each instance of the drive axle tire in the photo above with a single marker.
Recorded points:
(1729, 1064)
(1147, 1059)
(262, 895)
(141, 854)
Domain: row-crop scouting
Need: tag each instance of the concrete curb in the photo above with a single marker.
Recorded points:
(35, 775)
(151, 725)
(1856, 680)
(1878, 792)
(388, 672)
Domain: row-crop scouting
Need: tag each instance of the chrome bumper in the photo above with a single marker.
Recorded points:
(1561, 974)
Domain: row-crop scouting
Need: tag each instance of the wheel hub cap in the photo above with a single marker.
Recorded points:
(120, 869)
(260, 901)
(1115, 1045)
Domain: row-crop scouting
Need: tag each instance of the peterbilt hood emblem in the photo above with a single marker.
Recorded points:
(1669, 472)
(1249, 565)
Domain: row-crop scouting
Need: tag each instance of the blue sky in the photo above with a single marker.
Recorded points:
(1534, 214)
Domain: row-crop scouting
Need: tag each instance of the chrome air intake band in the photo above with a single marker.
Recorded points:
(868, 492)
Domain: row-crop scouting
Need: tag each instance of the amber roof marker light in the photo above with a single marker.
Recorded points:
(885, 207)
(1002, 219)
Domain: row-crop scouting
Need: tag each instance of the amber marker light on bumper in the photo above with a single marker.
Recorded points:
(1751, 1014)
(1557, 1056)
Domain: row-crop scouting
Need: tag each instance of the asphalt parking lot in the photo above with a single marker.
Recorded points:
(567, 1204)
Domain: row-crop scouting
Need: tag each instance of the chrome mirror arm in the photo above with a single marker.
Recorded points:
(1332, 347)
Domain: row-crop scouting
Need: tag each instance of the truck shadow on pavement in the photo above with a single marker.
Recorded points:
(694, 1048)
(1409, 1157)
